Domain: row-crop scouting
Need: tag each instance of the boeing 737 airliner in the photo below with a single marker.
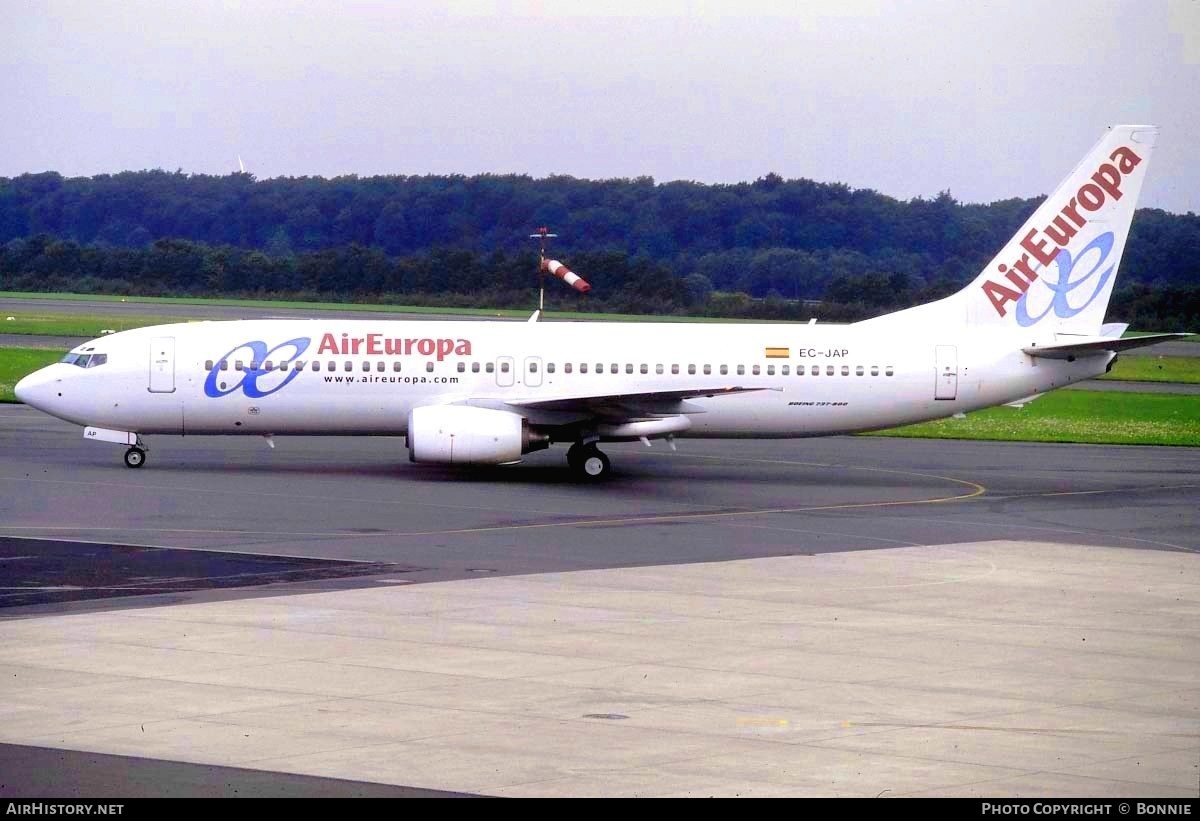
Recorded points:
(489, 392)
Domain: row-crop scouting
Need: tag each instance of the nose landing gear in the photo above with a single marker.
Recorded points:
(135, 457)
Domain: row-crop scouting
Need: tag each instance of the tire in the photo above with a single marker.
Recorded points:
(135, 458)
(593, 465)
(574, 454)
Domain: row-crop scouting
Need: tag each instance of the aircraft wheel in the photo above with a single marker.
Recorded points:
(593, 465)
(135, 458)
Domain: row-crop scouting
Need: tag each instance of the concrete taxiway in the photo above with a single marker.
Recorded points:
(848, 616)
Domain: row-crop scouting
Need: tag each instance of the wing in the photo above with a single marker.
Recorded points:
(611, 407)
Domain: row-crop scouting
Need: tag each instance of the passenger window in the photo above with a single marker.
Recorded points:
(628, 368)
(770, 370)
(396, 366)
(816, 371)
(784, 369)
(829, 370)
(549, 367)
(224, 364)
(707, 370)
(614, 368)
(724, 370)
(566, 367)
(237, 365)
(380, 366)
(658, 369)
(268, 365)
(799, 370)
(874, 370)
(331, 365)
(645, 368)
(583, 367)
(675, 369)
(208, 364)
(283, 366)
(755, 370)
(349, 365)
(691, 369)
(474, 367)
(503, 367)
(533, 367)
(429, 367)
(741, 370)
(254, 363)
(462, 367)
(888, 372)
(366, 366)
(845, 370)
(315, 366)
(858, 371)
(490, 367)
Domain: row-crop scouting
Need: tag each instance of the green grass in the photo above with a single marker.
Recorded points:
(1129, 334)
(18, 362)
(510, 313)
(89, 326)
(1135, 368)
(1095, 417)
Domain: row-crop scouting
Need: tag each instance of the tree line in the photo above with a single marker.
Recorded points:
(769, 248)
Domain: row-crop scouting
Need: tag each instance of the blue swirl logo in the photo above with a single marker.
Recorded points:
(248, 380)
(1065, 263)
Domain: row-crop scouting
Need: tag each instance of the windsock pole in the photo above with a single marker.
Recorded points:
(553, 266)
(542, 234)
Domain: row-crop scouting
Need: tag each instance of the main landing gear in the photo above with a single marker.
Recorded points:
(588, 462)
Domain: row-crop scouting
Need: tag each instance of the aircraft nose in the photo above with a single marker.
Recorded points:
(24, 390)
(32, 389)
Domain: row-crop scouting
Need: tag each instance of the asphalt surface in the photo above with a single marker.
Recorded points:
(38, 772)
(9, 307)
(359, 500)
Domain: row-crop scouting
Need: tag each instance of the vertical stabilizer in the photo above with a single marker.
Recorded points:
(1056, 274)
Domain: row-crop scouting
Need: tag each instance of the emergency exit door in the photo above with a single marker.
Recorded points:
(162, 365)
(947, 372)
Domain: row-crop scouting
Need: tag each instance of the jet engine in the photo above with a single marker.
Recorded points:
(465, 435)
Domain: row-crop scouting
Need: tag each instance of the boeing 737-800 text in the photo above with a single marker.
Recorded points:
(489, 392)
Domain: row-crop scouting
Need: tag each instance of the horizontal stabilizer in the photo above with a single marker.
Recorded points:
(1020, 403)
(1087, 345)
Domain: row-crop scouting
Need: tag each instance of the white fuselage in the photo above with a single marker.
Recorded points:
(364, 377)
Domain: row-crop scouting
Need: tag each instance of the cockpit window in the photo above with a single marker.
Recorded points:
(85, 360)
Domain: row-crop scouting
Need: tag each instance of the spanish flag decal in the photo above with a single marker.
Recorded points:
(778, 353)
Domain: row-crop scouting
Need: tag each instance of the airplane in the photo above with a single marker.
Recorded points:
(487, 393)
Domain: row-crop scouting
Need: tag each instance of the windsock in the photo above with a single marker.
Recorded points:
(564, 273)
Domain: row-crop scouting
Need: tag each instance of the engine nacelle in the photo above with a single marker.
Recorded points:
(465, 435)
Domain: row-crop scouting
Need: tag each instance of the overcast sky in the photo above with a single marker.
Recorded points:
(986, 99)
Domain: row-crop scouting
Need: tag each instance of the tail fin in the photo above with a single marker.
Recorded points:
(1056, 275)
(1060, 268)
